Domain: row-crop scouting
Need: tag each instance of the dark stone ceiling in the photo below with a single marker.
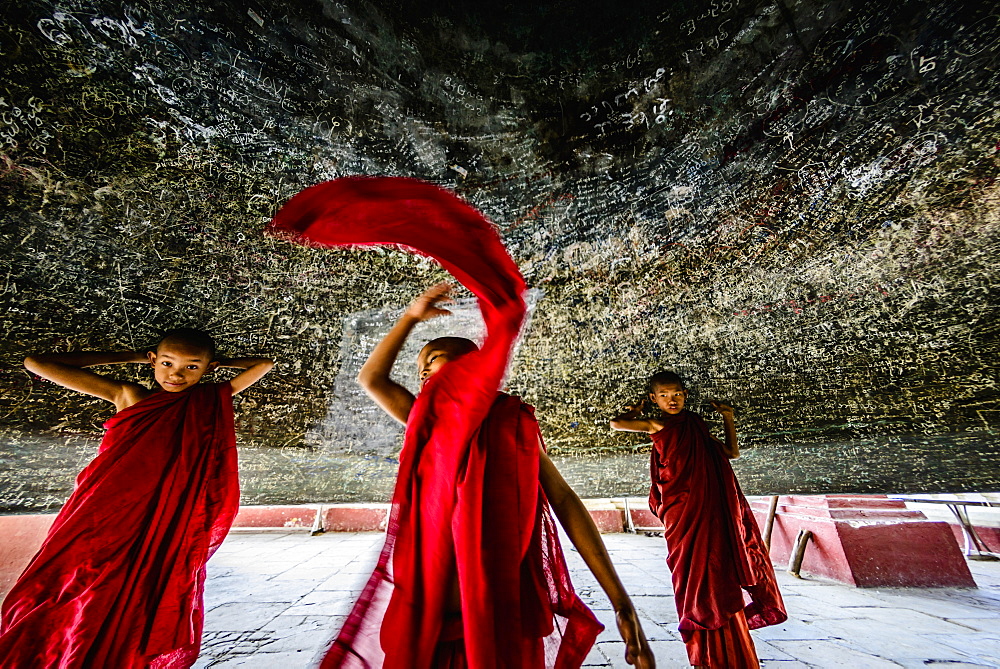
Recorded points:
(792, 204)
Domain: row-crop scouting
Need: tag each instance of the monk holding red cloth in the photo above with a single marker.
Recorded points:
(118, 582)
(714, 549)
(472, 573)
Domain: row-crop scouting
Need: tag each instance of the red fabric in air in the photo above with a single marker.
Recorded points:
(714, 549)
(119, 580)
(467, 497)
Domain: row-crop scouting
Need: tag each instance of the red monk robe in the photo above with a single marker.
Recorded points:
(714, 549)
(118, 582)
(519, 608)
(467, 498)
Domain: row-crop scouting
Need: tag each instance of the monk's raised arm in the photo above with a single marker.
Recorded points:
(731, 445)
(254, 370)
(374, 376)
(630, 421)
(582, 531)
(68, 370)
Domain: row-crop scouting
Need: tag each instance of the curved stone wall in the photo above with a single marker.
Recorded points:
(792, 204)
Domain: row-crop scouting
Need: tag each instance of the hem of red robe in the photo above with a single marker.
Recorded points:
(728, 647)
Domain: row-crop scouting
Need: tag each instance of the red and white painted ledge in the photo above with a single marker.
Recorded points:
(861, 540)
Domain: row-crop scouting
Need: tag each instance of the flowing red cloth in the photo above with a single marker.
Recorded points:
(118, 582)
(714, 549)
(467, 498)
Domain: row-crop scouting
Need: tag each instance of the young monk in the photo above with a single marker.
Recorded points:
(493, 629)
(118, 581)
(714, 549)
(467, 504)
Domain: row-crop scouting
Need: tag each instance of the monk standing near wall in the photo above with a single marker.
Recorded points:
(504, 548)
(714, 549)
(471, 573)
(118, 582)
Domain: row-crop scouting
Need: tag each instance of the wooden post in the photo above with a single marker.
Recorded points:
(317, 527)
(769, 525)
(629, 525)
(795, 559)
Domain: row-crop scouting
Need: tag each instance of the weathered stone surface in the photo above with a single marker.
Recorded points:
(792, 204)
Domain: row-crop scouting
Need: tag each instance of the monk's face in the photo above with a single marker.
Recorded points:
(178, 366)
(432, 358)
(669, 397)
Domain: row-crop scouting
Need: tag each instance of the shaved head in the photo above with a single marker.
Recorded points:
(190, 338)
(456, 346)
(438, 352)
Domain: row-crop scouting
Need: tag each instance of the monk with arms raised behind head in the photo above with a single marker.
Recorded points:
(714, 549)
(118, 582)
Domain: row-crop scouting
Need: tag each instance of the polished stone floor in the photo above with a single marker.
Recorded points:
(275, 599)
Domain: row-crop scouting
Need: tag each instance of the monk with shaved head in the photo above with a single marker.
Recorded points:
(118, 581)
(541, 617)
(714, 550)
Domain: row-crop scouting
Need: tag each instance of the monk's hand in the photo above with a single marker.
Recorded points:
(637, 652)
(636, 409)
(722, 407)
(425, 306)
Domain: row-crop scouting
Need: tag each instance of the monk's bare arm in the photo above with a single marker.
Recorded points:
(394, 399)
(580, 528)
(630, 421)
(374, 376)
(254, 370)
(731, 445)
(68, 370)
